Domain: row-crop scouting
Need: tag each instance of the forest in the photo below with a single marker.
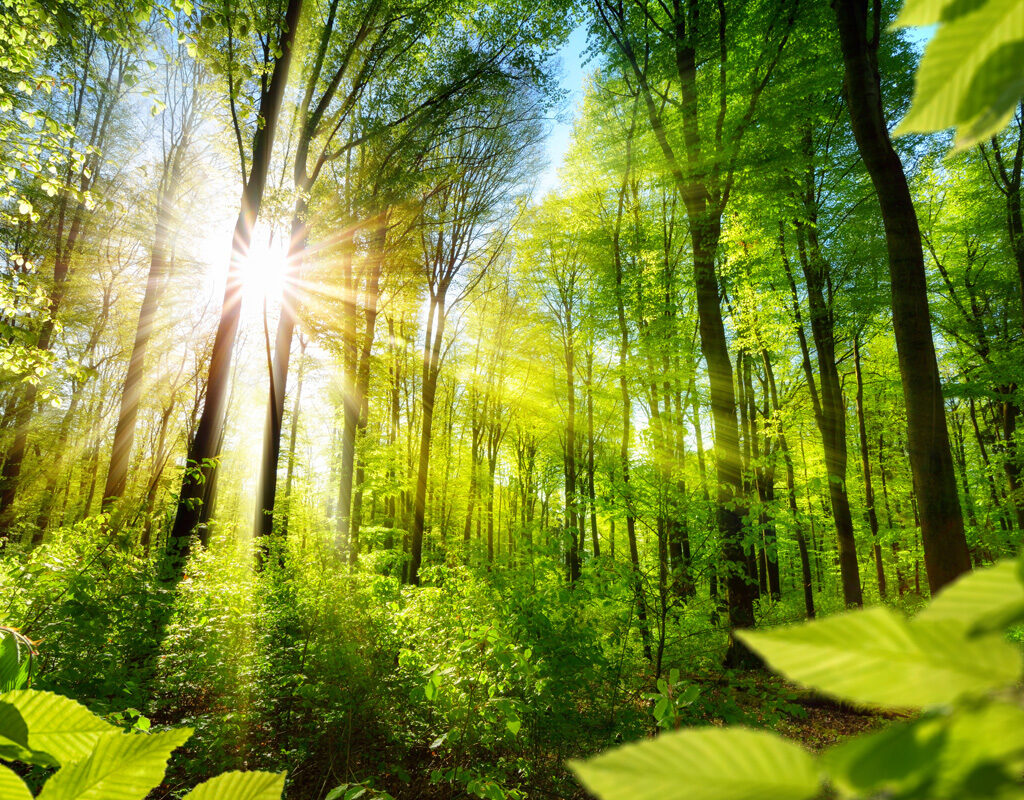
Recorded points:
(444, 399)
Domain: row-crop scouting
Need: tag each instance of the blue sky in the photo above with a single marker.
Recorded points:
(572, 79)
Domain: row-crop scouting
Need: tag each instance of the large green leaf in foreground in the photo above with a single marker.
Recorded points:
(875, 657)
(57, 725)
(985, 600)
(11, 786)
(971, 75)
(240, 786)
(702, 764)
(122, 766)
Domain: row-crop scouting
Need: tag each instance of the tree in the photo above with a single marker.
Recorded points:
(942, 528)
(204, 448)
(480, 158)
(183, 114)
(704, 177)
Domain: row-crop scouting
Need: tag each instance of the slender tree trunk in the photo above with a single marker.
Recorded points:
(431, 368)
(865, 462)
(634, 552)
(203, 449)
(350, 405)
(832, 417)
(997, 504)
(491, 464)
(571, 512)
(590, 455)
(362, 388)
(292, 439)
(942, 526)
(131, 393)
(684, 577)
(266, 494)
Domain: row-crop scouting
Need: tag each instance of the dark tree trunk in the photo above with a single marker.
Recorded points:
(204, 447)
(942, 526)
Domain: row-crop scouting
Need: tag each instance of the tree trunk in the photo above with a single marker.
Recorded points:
(203, 449)
(131, 392)
(431, 368)
(590, 455)
(942, 527)
(350, 406)
(832, 417)
(865, 463)
(634, 552)
(266, 493)
(362, 387)
(292, 439)
(571, 513)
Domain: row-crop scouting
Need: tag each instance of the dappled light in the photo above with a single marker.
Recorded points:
(453, 399)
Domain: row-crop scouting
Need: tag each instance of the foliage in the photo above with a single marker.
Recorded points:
(970, 77)
(968, 742)
(93, 759)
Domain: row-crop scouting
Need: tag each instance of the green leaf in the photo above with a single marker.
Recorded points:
(15, 660)
(702, 764)
(57, 725)
(874, 657)
(984, 751)
(14, 739)
(240, 786)
(122, 766)
(12, 727)
(984, 600)
(11, 786)
(972, 752)
(970, 76)
(932, 12)
(895, 761)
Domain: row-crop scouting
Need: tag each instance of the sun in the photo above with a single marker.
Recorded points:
(265, 270)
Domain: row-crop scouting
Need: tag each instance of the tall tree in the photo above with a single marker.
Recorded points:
(680, 42)
(931, 461)
(464, 225)
(183, 108)
(204, 449)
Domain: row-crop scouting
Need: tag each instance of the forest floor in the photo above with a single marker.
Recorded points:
(828, 722)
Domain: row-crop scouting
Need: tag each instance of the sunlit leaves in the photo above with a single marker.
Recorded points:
(16, 659)
(970, 76)
(702, 764)
(11, 786)
(240, 786)
(975, 753)
(58, 726)
(971, 745)
(119, 767)
(875, 657)
(984, 600)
